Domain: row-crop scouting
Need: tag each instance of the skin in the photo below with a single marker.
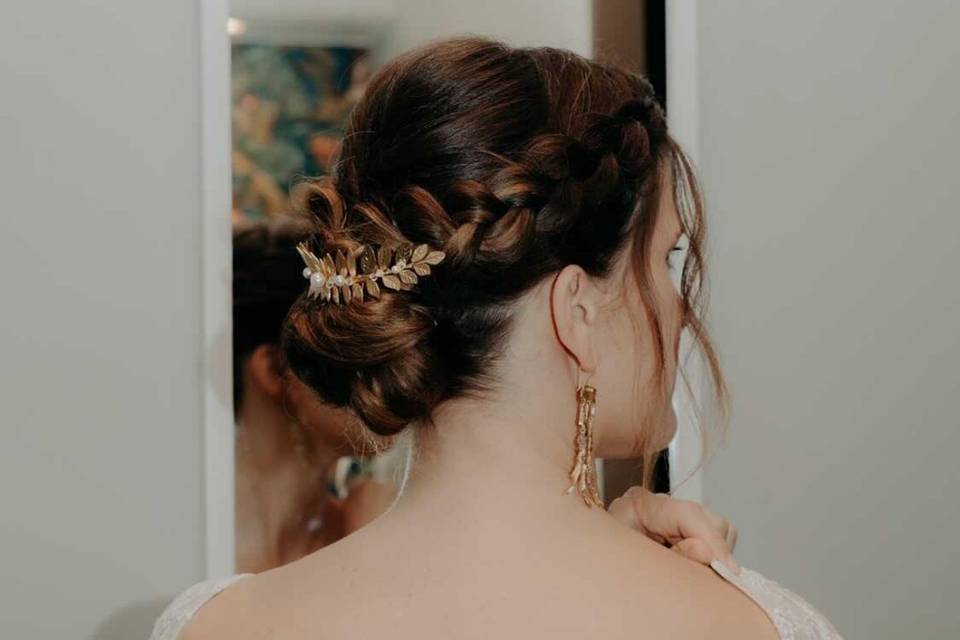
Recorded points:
(482, 541)
(278, 486)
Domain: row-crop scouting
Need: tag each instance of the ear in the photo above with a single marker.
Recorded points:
(264, 370)
(575, 305)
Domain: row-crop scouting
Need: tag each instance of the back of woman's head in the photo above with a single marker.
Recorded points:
(264, 257)
(515, 163)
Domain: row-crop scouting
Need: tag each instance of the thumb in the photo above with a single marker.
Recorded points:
(700, 551)
(694, 549)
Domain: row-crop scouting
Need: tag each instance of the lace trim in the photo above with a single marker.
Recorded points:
(793, 617)
(171, 622)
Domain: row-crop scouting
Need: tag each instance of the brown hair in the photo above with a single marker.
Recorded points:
(513, 161)
(265, 286)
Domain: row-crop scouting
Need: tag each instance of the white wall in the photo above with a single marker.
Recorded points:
(100, 324)
(829, 153)
(395, 26)
(567, 24)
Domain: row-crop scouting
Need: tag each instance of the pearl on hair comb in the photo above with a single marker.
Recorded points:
(343, 277)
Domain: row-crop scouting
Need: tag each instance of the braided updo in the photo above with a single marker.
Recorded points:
(515, 163)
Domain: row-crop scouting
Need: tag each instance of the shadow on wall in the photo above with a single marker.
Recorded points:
(132, 622)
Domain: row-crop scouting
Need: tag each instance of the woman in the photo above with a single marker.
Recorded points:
(297, 481)
(494, 272)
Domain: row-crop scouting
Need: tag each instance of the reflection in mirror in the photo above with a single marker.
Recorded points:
(306, 475)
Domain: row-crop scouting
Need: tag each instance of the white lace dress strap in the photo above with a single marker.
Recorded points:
(794, 617)
(175, 617)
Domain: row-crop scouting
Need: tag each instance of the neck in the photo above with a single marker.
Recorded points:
(269, 438)
(277, 487)
(265, 442)
(505, 457)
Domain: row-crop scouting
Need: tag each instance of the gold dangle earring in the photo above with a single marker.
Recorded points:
(583, 475)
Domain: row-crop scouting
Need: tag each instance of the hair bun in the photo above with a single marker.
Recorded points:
(373, 357)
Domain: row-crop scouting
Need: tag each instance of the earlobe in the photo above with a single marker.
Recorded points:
(573, 305)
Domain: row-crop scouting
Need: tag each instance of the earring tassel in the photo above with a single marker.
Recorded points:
(582, 476)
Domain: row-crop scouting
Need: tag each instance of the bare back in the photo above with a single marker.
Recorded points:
(596, 579)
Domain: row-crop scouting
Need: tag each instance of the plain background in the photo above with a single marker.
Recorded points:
(828, 152)
(100, 396)
(829, 139)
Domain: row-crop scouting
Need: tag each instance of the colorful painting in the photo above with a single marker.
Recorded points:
(289, 109)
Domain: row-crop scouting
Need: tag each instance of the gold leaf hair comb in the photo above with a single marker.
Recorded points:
(349, 276)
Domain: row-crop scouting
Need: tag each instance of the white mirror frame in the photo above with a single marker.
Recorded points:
(217, 261)
(683, 105)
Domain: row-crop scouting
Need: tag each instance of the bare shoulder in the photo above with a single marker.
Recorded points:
(231, 613)
(279, 602)
(733, 614)
(628, 587)
(687, 598)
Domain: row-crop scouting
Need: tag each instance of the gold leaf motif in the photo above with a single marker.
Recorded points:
(420, 252)
(309, 258)
(328, 267)
(383, 257)
(368, 260)
(391, 281)
(359, 269)
(352, 263)
(435, 257)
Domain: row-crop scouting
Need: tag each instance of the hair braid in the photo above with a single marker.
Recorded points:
(543, 159)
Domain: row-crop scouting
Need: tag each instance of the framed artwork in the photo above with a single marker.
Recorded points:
(289, 109)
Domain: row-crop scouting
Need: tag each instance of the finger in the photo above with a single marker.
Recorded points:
(703, 553)
(695, 550)
(622, 509)
(669, 521)
(724, 529)
(732, 538)
(715, 531)
(677, 520)
(714, 547)
(627, 509)
(683, 523)
(680, 520)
